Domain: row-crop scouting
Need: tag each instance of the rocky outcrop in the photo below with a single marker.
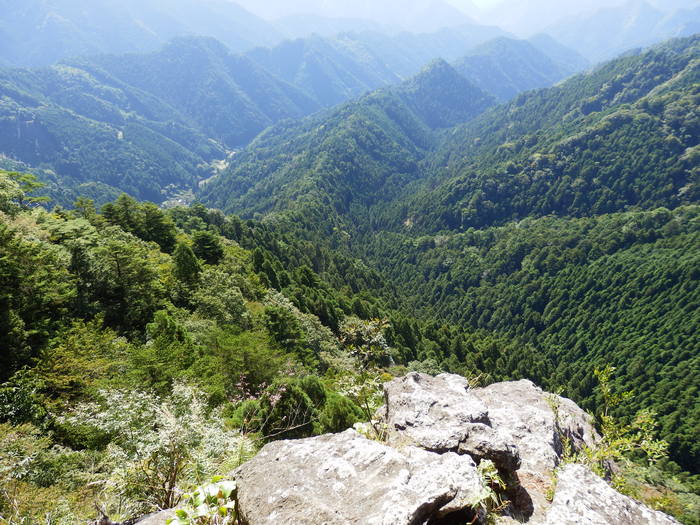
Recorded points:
(515, 424)
(348, 479)
(438, 430)
(582, 498)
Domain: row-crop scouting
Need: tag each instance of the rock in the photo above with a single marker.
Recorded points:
(514, 424)
(524, 415)
(442, 414)
(159, 518)
(582, 498)
(348, 479)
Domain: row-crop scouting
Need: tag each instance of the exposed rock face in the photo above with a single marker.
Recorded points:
(442, 414)
(348, 479)
(582, 498)
(513, 424)
(426, 473)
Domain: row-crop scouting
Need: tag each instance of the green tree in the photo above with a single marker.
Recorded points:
(186, 266)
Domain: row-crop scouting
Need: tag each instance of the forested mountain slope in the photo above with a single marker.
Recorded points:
(350, 158)
(141, 123)
(616, 147)
(620, 289)
(228, 97)
(625, 134)
(505, 67)
(86, 129)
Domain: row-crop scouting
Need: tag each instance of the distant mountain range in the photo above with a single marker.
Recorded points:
(605, 33)
(155, 124)
(41, 32)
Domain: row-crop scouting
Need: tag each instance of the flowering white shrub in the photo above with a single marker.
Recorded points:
(160, 447)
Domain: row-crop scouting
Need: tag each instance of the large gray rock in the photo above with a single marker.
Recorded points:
(348, 479)
(512, 423)
(582, 498)
(158, 518)
(515, 424)
(535, 421)
(442, 414)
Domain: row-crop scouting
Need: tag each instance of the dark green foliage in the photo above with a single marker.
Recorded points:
(207, 246)
(145, 220)
(618, 289)
(186, 266)
(36, 291)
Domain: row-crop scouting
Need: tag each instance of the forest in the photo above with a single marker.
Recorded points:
(146, 349)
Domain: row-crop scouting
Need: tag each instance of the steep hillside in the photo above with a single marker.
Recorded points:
(620, 289)
(229, 97)
(331, 70)
(66, 120)
(505, 67)
(623, 135)
(365, 152)
(141, 123)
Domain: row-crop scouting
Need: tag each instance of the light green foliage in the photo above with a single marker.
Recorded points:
(159, 446)
(619, 440)
(488, 502)
(365, 341)
(217, 297)
(211, 504)
(10, 194)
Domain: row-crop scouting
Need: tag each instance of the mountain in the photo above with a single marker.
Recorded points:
(41, 32)
(345, 160)
(621, 135)
(565, 219)
(330, 70)
(409, 15)
(334, 69)
(528, 17)
(229, 97)
(144, 124)
(608, 32)
(564, 56)
(301, 26)
(505, 67)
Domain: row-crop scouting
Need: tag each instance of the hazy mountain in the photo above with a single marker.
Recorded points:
(505, 67)
(229, 97)
(528, 17)
(564, 56)
(413, 15)
(334, 69)
(611, 31)
(330, 70)
(41, 32)
(300, 26)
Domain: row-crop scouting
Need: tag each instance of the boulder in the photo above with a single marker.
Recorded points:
(515, 424)
(158, 518)
(535, 422)
(348, 479)
(582, 498)
(442, 414)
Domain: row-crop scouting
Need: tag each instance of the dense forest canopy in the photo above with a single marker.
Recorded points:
(202, 251)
